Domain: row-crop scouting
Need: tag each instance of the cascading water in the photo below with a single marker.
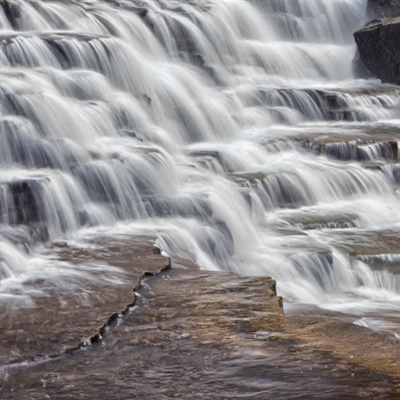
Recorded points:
(234, 130)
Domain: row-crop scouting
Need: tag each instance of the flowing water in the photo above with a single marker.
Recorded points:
(234, 130)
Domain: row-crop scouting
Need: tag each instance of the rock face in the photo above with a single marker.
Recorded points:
(383, 8)
(378, 54)
(378, 45)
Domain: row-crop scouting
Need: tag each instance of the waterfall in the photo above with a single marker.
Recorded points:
(234, 130)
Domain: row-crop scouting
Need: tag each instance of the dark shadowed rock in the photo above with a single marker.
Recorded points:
(383, 8)
(12, 12)
(378, 45)
(359, 69)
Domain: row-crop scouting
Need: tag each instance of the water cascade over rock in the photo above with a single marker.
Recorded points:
(232, 129)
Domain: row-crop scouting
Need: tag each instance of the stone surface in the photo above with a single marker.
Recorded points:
(64, 319)
(349, 342)
(383, 8)
(379, 50)
(178, 332)
(214, 335)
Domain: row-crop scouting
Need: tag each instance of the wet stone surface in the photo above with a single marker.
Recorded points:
(64, 319)
(204, 335)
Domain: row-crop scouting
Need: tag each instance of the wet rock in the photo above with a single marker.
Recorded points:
(20, 201)
(328, 222)
(346, 149)
(67, 319)
(58, 244)
(221, 336)
(315, 104)
(359, 69)
(147, 99)
(283, 189)
(378, 45)
(387, 262)
(141, 12)
(13, 12)
(156, 250)
(368, 243)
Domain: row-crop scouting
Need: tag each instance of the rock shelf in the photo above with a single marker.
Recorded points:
(193, 333)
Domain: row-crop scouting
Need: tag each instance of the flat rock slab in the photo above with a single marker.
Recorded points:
(202, 335)
(337, 334)
(65, 319)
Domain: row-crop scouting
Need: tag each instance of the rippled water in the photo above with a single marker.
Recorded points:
(235, 131)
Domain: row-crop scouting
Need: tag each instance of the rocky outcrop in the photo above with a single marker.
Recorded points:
(378, 54)
(383, 8)
(378, 45)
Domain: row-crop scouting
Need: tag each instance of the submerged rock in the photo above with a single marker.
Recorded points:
(378, 45)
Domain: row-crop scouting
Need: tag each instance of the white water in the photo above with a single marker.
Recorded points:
(200, 121)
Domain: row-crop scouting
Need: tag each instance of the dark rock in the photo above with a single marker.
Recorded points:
(156, 250)
(351, 148)
(141, 12)
(13, 12)
(146, 99)
(383, 8)
(378, 45)
(21, 201)
(359, 69)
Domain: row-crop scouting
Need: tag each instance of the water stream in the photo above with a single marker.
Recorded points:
(234, 130)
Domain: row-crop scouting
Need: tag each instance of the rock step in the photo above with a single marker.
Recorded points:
(66, 318)
(353, 149)
(350, 104)
(276, 190)
(24, 236)
(33, 198)
(388, 262)
(361, 242)
(218, 334)
(21, 201)
(315, 221)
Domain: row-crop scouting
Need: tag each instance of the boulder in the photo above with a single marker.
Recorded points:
(378, 46)
(383, 8)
